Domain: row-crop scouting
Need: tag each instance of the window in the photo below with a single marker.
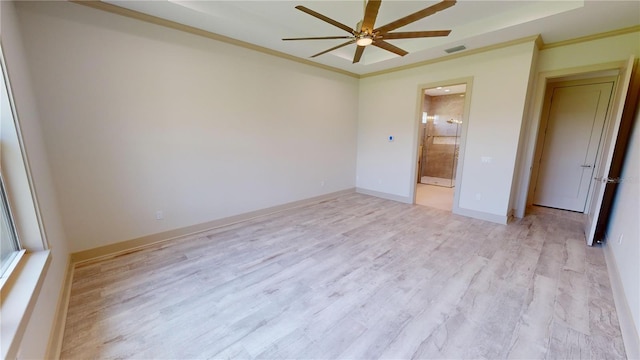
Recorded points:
(9, 245)
(24, 256)
(10, 156)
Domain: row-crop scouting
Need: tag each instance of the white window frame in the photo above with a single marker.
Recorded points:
(21, 284)
(9, 266)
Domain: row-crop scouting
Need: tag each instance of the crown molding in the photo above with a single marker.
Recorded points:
(603, 35)
(96, 4)
(537, 39)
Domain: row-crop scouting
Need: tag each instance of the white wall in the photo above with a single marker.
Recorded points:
(141, 118)
(616, 48)
(37, 333)
(624, 222)
(388, 106)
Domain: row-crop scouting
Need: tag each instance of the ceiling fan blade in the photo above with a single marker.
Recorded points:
(320, 38)
(370, 15)
(325, 19)
(415, 34)
(385, 45)
(334, 48)
(358, 55)
(445, 4)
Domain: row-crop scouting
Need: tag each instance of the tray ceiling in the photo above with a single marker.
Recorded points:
(474, 24)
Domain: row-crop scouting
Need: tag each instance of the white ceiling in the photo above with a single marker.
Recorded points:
(474, 24)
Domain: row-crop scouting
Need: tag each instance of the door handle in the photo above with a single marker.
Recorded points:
(586, 165)
(608, 180)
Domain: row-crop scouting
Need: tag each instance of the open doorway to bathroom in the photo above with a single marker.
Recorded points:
(439, 145)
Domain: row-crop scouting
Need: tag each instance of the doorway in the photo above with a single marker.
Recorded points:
(440, 132)
(574, 115)
(614, 138)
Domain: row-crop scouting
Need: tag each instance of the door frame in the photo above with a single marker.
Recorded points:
(468, 81)
(544, 120)
(614, 151)
(524, 195)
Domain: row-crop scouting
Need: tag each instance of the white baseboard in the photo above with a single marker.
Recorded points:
(402, 199)
(54, 347)
(627, 327)
(123, 247)
(499, 219)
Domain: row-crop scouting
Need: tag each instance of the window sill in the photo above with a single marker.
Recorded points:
(18, 298)
(14, 264)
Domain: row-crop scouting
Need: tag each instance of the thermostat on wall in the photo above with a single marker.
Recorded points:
(390, 138)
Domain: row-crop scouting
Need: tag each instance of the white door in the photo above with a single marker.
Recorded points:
(601, 173)
(575, 121)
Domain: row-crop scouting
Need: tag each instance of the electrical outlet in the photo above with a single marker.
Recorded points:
(620, 239)
(322, 183)
(478, 196)
(159, 215)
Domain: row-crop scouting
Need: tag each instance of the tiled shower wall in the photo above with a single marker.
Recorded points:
(440, 138)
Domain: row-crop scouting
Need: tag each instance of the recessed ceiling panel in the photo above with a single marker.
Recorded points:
(473, 23)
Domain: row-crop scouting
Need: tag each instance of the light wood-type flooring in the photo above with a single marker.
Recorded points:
(438, 181)
(435, 196)
(355, 277)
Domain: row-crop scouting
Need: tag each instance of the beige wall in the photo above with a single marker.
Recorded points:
(616, 48)
(388, 107)
(141, 118)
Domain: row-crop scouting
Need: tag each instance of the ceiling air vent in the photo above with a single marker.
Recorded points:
(456, 49)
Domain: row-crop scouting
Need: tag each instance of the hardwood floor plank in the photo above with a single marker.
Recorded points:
(532, 334)
(290, 347)
(489, 310)
(334, 340)
(572, 301)
(567, 343)
(551, 259)
(420, 327)
(576, 255)
(355, 277)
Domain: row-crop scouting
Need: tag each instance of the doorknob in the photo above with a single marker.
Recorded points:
(585, 165)
(608, 180)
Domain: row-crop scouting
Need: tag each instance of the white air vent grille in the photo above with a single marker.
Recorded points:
(455, 49)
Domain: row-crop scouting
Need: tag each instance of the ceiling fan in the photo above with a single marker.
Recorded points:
(365, 34)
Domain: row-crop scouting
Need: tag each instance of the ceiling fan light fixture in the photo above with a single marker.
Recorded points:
(364, 41)
(365, 34)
